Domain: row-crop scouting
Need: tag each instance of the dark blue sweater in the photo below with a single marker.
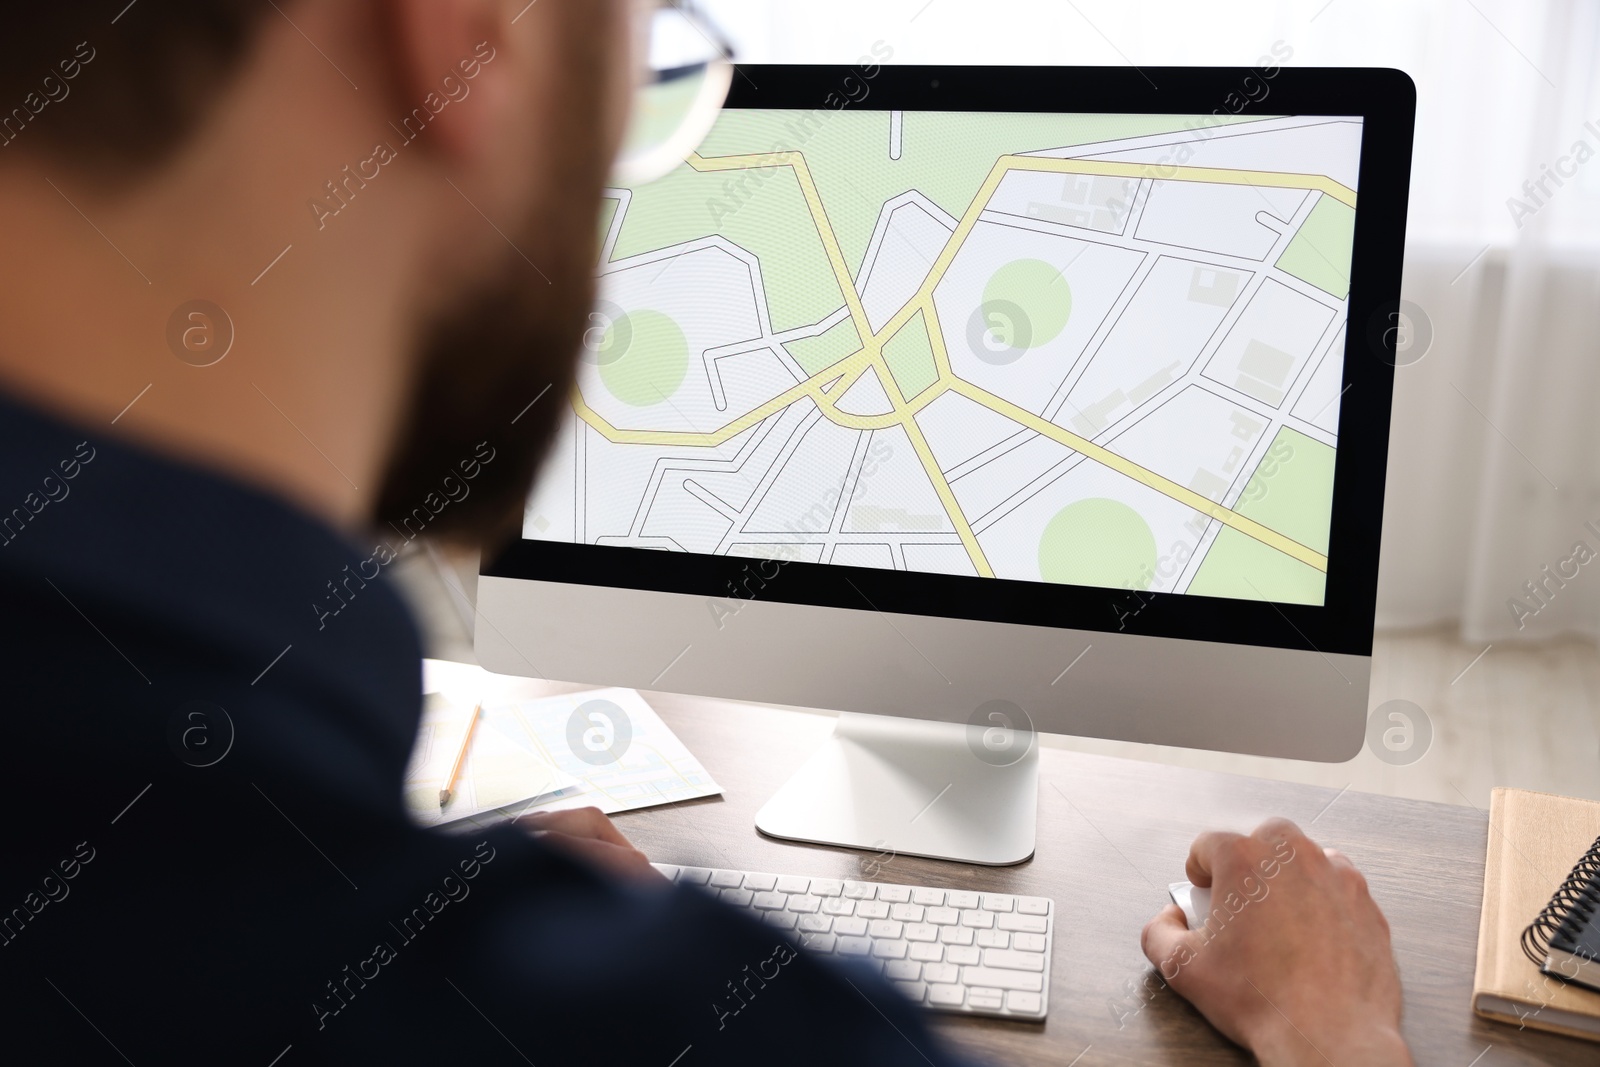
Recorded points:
(206, 856)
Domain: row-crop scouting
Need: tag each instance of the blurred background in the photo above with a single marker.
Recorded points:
(1489, 591)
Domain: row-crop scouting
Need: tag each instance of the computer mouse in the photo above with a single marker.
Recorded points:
(1195, 902)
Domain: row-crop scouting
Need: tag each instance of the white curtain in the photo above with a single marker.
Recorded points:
(1495, 448)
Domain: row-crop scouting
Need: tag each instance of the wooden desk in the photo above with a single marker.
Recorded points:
(1112, 834)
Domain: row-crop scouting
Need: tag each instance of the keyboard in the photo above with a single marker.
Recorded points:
(946, 949)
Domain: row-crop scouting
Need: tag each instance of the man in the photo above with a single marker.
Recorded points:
(271, 273)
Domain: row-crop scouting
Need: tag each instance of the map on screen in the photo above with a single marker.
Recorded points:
(1103, 350)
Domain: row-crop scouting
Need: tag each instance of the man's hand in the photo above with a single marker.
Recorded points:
(1294, 961)
(588, 834)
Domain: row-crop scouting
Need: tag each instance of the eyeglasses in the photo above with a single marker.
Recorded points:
(689, 70)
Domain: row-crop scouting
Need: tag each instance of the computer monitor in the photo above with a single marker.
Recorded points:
(983, 401)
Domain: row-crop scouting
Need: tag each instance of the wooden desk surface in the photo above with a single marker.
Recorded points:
(1112, 834)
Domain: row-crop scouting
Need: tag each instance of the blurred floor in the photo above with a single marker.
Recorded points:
(1518, 715)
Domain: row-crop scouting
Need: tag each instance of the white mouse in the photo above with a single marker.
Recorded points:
(1195, 902)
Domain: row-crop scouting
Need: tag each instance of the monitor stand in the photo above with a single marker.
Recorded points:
(910, 787)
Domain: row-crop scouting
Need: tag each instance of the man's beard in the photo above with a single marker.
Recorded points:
(494, 374)
(492, 385)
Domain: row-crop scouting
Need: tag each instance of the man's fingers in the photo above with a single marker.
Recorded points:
(1274, 831)
(588, 833)
(1162, 937)
(578, 822)
(619, 860)
(1204, 855)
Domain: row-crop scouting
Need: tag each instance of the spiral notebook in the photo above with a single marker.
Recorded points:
(1565, 939)
(1540, 865)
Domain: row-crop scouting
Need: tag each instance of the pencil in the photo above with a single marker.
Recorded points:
(455, 771)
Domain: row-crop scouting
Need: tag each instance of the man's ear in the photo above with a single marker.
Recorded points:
(444, 52)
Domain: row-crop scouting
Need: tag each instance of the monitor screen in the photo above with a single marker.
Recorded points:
(1104, 350)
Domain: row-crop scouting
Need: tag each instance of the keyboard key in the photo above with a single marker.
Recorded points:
(770, 902)
(693, 875)
(907, 913)
(670, 871)
(815, 924)
(860, 890)
(885, 928)
(819, 943)
(921, 932)
(993, 939)
(894, 894)
(850, 927)
(838, 906)
(947, 996)
(1029, 942)
(928, 953)
(872, 909)
(1033, 906)
(792, 884)
(965, 955)
(1012, 961)
(1028, 924)
(928, 898)
(829, 887)
(984, 999)
(761, 883)
(904, 971)
(889, 950)
(739, 898)
(914, 991)
(956, 898)
(997, 979)
(1016, 1000)
(941, 972)
(854, 946)
(805, 904)
(943, 916)
(995, 902)
(726, 879)
(782, 920)
(955, 935)
(982, 920)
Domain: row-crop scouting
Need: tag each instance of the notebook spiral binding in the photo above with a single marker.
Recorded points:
(1574, 904)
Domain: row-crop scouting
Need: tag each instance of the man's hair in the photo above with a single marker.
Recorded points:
(108, 82)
